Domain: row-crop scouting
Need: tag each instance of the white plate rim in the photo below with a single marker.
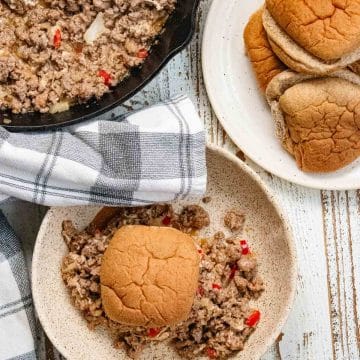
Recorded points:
(215, 100)
(293, 271)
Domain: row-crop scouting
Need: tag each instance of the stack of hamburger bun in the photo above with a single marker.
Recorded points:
(306, 57)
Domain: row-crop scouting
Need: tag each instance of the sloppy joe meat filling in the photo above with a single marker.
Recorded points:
(54, 53)
(221, 319)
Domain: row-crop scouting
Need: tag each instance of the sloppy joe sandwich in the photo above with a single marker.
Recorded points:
(316, 37)
(318, 118)
(148, 275)
(265, 63)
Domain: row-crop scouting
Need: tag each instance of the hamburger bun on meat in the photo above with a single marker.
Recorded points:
(149, 276)
(265, 63)
(317, 118)
(315, 36)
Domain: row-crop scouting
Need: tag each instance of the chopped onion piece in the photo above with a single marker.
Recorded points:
(59, 107)
(30, 2)
(157, 5)
(95, 30)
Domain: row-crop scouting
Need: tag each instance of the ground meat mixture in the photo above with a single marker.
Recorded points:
(57, 52)
(221, 319)
(234, 220)
(206, 199)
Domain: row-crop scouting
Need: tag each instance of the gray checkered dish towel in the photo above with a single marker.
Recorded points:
(153, 155)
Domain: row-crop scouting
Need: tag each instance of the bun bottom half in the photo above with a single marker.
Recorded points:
(265, 63)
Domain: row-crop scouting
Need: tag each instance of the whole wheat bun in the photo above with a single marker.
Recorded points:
(294, 35)
(149, 276)
(265, 63)
(317, 118)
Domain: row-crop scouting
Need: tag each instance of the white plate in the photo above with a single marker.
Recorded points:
(241, 108)
(231, 184)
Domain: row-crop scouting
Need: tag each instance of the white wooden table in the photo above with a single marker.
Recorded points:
(324, 323)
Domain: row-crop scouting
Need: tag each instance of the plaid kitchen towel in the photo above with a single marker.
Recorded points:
(17, 324)
(153, 155)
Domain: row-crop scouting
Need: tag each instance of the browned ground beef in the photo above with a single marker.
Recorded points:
(234, 220)
(35, 73)
(228, 281)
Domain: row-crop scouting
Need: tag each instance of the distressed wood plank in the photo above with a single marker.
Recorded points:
(339, 239)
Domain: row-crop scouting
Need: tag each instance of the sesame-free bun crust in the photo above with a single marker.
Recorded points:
(149, 276)
(318, 119)
(327, 29)
(265, 63)
(298, 58)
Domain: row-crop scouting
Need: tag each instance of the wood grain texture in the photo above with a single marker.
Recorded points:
(324, 323)
(341, 241)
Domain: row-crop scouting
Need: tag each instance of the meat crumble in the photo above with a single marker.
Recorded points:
(221, 319)
(234, 220)
(54, 53)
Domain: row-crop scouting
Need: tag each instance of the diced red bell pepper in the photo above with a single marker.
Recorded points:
(244, 247)
(106, 76)
(57, 38)
(142, 54)
(253, 319)
(211, 353)
(216, 286)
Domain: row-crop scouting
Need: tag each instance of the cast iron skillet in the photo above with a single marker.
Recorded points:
(177, 34)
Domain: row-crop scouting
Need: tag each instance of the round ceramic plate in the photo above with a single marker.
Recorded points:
(239, 105)
(231, 184)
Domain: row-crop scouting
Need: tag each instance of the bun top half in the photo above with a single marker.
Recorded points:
(149, 276)
(327, 29)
